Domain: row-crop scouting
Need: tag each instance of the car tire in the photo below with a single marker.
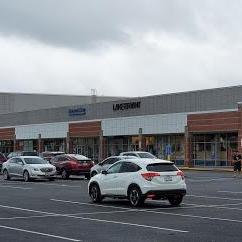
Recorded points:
(6, 175)
(94, 193)
(64, 174)
(26, 176)
(175, 200)
(94, 173)
(135, 196)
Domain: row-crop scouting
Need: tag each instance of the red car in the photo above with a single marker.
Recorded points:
(2, 160)
(72, 164)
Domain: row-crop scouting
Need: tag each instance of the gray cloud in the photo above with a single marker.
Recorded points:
(119, 47)
(81, 24)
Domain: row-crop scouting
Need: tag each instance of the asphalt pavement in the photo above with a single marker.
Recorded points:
(61, 211)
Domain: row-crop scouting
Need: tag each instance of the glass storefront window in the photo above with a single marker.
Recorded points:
(54, 145)
(86, 146)
(214, 150)
(6, 146)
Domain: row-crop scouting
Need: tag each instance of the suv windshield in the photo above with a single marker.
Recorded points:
(35, 161)
(161, 167)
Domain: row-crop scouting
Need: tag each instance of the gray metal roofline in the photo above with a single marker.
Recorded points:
(194, 91)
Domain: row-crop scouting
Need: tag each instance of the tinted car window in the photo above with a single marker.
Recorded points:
(13, 160)
(62, 158)
(19, 161)
(115, 168)
(129, 167)
(35, 161)
(146, 155)
(161, 167)
(128, 154)
(112, 161)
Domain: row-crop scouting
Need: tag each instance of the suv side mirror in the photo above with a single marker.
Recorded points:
(104, 172)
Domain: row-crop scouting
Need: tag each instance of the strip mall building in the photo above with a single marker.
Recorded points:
(198, 128)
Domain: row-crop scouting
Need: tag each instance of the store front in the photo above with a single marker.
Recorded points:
(54, 145)
(7, 140)
(84, 139)
(27, 145)
(169, 147)
(213, 149)
(213, 137)
(88, 147)
(6, 146)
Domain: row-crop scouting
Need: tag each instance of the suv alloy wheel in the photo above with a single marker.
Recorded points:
(95, 193)
(135, 196)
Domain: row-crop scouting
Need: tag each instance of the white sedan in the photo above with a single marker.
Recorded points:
(28, 167)
(139, 179)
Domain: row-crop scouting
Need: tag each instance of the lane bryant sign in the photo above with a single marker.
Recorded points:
(126, 106)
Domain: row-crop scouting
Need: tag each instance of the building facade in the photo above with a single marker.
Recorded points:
(198, 128)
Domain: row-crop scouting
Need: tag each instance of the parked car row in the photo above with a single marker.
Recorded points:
(65, 164)
(135, 176)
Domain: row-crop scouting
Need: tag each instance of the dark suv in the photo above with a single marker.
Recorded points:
(72, 164)
(2, 160)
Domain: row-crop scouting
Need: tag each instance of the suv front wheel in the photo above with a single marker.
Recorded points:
(95, 194)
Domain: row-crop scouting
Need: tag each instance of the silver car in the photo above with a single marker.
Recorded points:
(28, 167)
(105, 164)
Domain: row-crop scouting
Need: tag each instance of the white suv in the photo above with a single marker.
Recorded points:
(139, 179)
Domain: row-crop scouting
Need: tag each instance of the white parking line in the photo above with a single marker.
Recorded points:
(23, 188)
(88, 204)
(230, 192)
(98, 220)
(208, 180)
(47, 184)
(222, 198)
(158, 212)
(194, 205)
(57, 215)
(38, 233)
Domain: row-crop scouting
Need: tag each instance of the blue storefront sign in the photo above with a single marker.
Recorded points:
(77, 111)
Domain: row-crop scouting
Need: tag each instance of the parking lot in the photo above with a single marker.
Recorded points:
(61, 211)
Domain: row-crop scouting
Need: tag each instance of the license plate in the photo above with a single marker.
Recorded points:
(167, 178)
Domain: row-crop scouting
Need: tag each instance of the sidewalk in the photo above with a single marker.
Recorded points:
(215, 169)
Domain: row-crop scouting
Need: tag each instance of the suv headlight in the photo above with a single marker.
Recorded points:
(35, 169)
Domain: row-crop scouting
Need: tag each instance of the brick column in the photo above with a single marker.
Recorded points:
(240, 128)
(100, 153)
(67, 143)
(14, 143)
(188, 148)
(40, 144)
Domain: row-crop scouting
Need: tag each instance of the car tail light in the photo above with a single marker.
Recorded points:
(149, 175)
(180, 173)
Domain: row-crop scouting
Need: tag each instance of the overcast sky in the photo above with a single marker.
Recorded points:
(119, 47)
